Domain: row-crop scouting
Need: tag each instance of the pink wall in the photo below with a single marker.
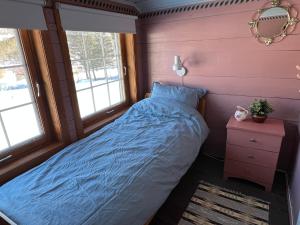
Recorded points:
(220, 54)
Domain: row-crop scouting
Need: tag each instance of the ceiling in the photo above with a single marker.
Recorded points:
(154, 5)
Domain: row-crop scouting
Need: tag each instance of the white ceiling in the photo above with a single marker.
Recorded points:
(153, 5)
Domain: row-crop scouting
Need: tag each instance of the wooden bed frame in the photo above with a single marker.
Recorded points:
(202, 106)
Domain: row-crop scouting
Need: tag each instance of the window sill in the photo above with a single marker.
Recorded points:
(96, 126)
(31, 160)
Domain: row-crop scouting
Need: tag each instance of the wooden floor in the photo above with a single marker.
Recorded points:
(211, 170)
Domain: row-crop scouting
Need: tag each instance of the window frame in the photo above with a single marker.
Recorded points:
(110, 111)
(24, 148)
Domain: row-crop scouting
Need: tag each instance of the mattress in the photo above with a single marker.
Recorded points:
(120, 174)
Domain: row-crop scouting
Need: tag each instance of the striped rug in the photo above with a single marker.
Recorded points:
(212, 205)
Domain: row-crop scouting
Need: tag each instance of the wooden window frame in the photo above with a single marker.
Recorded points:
(128, 51)
(90, 121)
(110, 111)
(27, 147)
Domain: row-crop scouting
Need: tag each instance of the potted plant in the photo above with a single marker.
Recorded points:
(259, 109)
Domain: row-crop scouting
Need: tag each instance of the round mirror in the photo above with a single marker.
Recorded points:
(272, 22)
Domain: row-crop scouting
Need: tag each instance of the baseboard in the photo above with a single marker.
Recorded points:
(289, 202)
(290, 206)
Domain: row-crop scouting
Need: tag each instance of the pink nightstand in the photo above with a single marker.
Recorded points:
(252, 150)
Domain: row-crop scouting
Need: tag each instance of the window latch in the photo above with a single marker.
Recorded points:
(125, 70)
(5, 158)
(110, 111)
(38, 89)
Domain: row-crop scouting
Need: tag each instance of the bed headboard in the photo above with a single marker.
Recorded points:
(201, 106)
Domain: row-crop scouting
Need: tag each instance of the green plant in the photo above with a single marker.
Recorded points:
(260, 107)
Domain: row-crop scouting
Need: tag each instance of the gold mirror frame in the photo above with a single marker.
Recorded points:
(287, 28)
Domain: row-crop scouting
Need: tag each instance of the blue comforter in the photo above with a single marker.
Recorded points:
(120, 174)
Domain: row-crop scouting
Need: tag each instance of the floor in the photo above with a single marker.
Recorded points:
(211, 170)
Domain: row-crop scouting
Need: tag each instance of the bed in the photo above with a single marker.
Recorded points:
(120, 174)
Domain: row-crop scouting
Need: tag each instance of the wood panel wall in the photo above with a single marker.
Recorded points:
(221, 55)
(57, 69)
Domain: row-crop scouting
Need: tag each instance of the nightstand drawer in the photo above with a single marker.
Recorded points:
(251, 172)
(254, 140)
(250, 155)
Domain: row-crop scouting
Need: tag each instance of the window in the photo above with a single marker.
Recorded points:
(97, 70)
(20, 120)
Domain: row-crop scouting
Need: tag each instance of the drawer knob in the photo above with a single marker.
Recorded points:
(252, 140)
(250, 157)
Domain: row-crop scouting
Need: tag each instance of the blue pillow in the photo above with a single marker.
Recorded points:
(189, 96)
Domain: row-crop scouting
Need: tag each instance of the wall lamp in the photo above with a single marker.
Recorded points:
(178, 67)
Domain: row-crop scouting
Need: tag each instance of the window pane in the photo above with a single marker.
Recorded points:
(111, 62)
(13, 87)
(3, 142)
(113, 74)
(97, 72)
(115, 92)
(9, 50)
(98, 75)
(18, 112)
(109, 43)
(21, 124)
(101, 97)
(75, 43)
(85, 101)
(80, 75)
(93, 45)
(113, 69)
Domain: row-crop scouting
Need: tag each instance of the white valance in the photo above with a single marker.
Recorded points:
(25, 14)
(85, 19)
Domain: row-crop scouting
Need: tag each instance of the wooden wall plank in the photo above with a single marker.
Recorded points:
(222, 45)
(203, 28)
(130, 40)
(55, 65)
(279, 64)
(171, 79)
(267, 87)
(221, 107)
(66, 63)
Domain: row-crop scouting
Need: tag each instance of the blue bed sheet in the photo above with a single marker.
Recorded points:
(120, 174)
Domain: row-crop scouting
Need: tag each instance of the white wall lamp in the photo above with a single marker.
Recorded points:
(178, 67)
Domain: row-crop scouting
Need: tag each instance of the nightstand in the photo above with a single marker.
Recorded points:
(252, 150)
